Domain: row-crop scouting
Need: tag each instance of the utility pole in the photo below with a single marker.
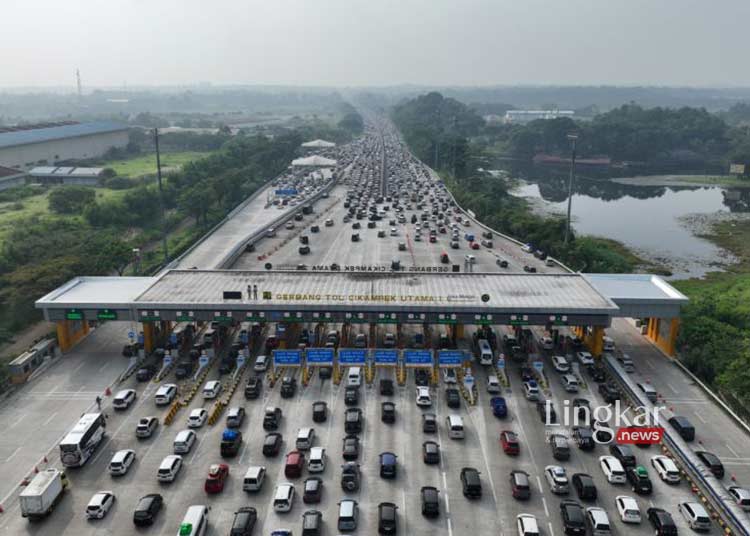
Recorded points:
(573, 137)
(161, 198)
(455, 137)
(78, 83)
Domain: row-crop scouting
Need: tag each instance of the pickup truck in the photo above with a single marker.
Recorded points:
(43, 493)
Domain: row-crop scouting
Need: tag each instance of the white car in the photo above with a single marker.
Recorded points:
(493, 384)
(528, 248)
(585, 358)
(165, 394)
(289, 224)
(612, 469)
(449, 375)
(741, 496)
(547, 343)
(197, 418)
(121, 462)
(560, 364)
(261, 363)
(531, 388)
(211, 390)
(557, 479)
(100, 504)
(696, 516)
(146, 427)
(123, 399)
(527, 525)
(329, 222)
(169, 468)
(628, 509)
(666, 469)
(394, 231)
(317, 461)
(423, 397)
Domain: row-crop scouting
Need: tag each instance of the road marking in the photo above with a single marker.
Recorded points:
(650, 364)
(22, 417)
(79, 367)
(49, 419)
(450, 527)
(730, 449)
(539, 483)
(105, 366)
(9, 458)
(671, 388)
(551, 532)
(544, 503)
(700, 417)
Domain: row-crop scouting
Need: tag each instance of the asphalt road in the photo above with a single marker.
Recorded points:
(43, 410)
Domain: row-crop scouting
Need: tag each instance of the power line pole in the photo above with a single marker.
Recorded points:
(161, 199)
(572, 137)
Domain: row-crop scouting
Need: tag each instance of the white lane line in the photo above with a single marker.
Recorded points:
(105, 366)
(450, 527)
(539, 483)
(79, 367)
(544, 503)
(551, 532)
(22, 417)
(700, 417)
(9, 458)
(197, 448)
(730, 449)
(671, 388)
(650, 364)
(403, 512)
(49, 419)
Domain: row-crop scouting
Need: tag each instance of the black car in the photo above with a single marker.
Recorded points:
(272, 418)
(639, 480)
(387, 518)
(147, 509)
(430, 502)
(312, 490)
(596, 373)
(430, 452)
(350, 448)
(272, 444)
(244, 521)
(609, 392)
(572, 517)
(583, 437)
(351, 396)
(253, 387)
(582, 410)
(429, 423)
(288, 387)
(388, 465)
(312, 521)
(623, 453)
(452, 398)
(388, 412)
(325, 373)
(386, 387)
(319, 411)
(584, 486)
(662, 522)
(422, 377)
(470, 483)
(144, 374)
(711, 461)
(353, 421)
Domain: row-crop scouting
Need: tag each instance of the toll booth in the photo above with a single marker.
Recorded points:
(283, 359)
(350, 357)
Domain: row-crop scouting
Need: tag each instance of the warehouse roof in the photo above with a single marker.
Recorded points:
(319, 144)
(314, 161)
(75, 172)
(39, 135)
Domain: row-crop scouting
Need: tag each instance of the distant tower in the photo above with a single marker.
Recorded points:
(78, 81)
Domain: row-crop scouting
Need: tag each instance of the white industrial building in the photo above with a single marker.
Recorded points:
(25, 147)
(526, 116)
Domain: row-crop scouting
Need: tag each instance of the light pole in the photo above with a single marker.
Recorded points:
(572, 137)
(137, 260)
(161, 198)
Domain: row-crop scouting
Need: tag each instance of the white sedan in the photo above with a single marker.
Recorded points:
(628, 509)
(100, 504)
(585, 358)
(197, 418)
(123, 399)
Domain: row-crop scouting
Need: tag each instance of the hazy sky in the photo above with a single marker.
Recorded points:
(375, 42)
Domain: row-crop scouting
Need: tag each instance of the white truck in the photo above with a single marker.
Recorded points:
(43, 493)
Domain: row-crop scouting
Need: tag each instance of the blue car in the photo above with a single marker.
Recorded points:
(499, 407)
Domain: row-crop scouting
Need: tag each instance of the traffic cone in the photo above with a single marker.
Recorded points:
(45, 460)
(1, 509)
(36, 469)
(108, 392)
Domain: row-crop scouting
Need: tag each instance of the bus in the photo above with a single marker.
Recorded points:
(79, 444)
(485, 352)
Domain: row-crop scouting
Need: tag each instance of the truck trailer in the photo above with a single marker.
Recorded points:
(43, 493)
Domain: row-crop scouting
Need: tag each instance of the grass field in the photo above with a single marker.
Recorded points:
(146, 165)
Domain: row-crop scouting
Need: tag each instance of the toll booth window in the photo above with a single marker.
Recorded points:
(266, 295)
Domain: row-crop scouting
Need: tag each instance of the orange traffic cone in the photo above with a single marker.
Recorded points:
(36, 469)
(108, 392)
(45, 460)
(1, 509)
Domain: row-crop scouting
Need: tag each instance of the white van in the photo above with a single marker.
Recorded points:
(455, 426)
(211, 390)
(183, 442)
(317, 461)
(493, 384)
(195, 522)
(354, 377)
(485, 352)
(305, 438)
(283, 499)
(254, 478)
(169, 468)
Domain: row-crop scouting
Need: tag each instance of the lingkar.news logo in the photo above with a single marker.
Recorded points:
(637, 425)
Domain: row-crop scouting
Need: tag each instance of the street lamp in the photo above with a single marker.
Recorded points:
(572, 137)
(137, 260)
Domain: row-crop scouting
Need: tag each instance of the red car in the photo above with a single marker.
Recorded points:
(509, 441)
(433, 239)
(217, 474)
(295, 461)
(474, 245)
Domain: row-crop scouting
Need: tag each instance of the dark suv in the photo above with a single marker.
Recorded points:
(662, 522)
(353, 421)
(288, 387)
(470, 483)
(146, 510)
(272, 418)
(584, 437)
(253, 387)
(623, 453)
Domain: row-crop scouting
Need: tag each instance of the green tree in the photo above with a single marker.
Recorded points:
(70, 199)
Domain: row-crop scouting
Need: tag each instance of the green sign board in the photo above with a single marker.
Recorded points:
(447, 321)
(386, 321)
(249, 318)
(74, 314)
(294, 319)
(558, 321)
(150, 318)
(356, 320)
(223, 319)
(519, 322)
(106, 314)
(184, 318)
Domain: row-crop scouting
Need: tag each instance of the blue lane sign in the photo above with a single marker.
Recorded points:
(131, 334)
(286, 191)
(173, 338)
(319, 356)
(385, 357)
(449, 358)
(501, 363)
(419, 358)
(203, 360)
(243, 337)
(167, 360)
(352, 356)
(283, 358)
(240, 361)
(539, 366)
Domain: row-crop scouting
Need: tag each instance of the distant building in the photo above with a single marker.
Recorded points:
(526, 116)
(67, 175)
(10, 177)
(24, 147)
(313, 162)
(318, 144)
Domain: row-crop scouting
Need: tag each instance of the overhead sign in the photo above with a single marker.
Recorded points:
(286, 358)
(352, 356)
(106, 314)
(319, 356)
(418, 358)
(286, 191)
(385, 356)
(73, 314)
(559, 320)
(185, 316)
(519, 320)
(450, 358)
(737, 169)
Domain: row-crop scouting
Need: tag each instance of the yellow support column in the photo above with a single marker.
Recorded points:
(148, 337)
(595, 341)
(63, 335)
(668, 344)
(459, 329)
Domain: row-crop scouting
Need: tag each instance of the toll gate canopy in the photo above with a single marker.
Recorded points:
(355, 296)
